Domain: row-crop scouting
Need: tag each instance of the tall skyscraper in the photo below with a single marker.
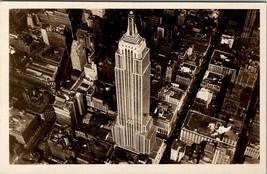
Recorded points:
(30, 20)
(77, 55)
(45, 36)
(134, 127)
(249, 23)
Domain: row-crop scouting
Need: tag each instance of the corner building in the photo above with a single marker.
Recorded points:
(134, 129)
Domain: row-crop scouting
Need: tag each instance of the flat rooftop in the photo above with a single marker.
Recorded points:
(82, 85)
(210, 126)
(57, 136)
(177, 143)
(63, 97)
(42, 70)
(19, 121)
(199, 123)
(212, 78)
(172, 92)
(223, 59)
(52, 54)
(156, 149)
(186, 70)
(166, 110)
(197, 38)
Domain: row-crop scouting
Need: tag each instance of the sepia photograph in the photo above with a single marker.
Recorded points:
(135, 84)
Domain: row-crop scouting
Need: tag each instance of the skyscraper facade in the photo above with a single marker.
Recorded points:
(249, 23)
(134, 127)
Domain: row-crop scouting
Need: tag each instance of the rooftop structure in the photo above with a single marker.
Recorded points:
(185, 74)
(99, 12)
(166, 117)
(22, 125)
(52, 55)
(61, 143)
(205, 95)
(223, 63)
(198, 127)
(82, 85)
(173, 95)
(226, 43)
(205, 102)
(54, 17)
(66, 108)
(212, 81)
(86, 39)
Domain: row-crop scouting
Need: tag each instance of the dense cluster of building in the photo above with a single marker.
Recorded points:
(159, 86)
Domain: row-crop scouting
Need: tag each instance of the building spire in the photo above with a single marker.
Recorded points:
(131, 30)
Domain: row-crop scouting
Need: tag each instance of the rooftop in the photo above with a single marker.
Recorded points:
(166, 110)
(52, 54)
(224, 59)
(172, 92)
(197, 38)
(38, 101)
(213, 78)
(42, 70)
(186, 70)
(177, 143)
(124, 156)
(61, 136)
(201, 123)
(211, 127)
(156, 149)
(180, 49)
(89, 129)
(20, 120)
(82, 85)
(63, 98)
(99, 148)
(204, 94)
(226, 43)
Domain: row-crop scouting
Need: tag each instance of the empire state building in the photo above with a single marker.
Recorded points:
(134, 129)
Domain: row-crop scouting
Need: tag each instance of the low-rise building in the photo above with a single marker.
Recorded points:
(198, 127)
(165, 119)
(177, 150)
(43, 72)
(223, 63)
(223, 154)
(66, 107)
(62, 144)
(185, 75)
(212, 81)
(205, 102)
(172, 94)
(22, 125)
(157, 151)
